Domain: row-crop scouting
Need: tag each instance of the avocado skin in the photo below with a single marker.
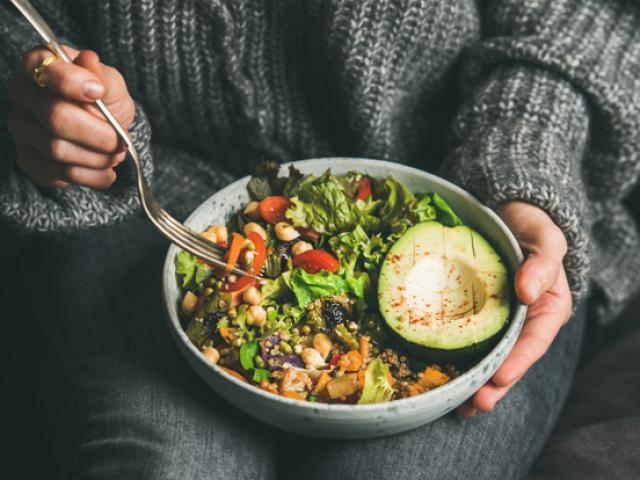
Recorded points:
(461, 357)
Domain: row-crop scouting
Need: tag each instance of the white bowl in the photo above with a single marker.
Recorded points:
(350, 421)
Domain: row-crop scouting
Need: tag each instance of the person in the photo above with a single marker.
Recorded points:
(531, 106)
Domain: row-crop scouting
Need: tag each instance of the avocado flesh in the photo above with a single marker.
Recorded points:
(444, 292)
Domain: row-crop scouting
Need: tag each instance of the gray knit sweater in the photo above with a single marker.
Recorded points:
(536, 100)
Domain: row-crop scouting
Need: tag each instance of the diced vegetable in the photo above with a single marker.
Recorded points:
(351, 362)
(237, 242)
(432, 377)
(322, 382)
(343, 386)
(365, 348)
(346, 337)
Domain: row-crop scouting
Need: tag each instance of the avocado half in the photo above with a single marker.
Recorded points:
(445, 293)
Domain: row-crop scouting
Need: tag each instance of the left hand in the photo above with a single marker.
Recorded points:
(541, 283)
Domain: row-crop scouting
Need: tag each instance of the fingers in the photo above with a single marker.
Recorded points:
(67, 120)
(66, 79)
(25, 130)
(544, 320)
(467, 409)
(47, 173)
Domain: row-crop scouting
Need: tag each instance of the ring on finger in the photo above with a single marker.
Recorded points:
(38, 72)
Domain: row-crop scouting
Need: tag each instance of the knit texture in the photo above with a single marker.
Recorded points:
(533, 100)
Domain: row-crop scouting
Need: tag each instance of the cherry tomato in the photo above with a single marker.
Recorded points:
(273, 208)
(364, 189)
(314, 261)
(308, 233)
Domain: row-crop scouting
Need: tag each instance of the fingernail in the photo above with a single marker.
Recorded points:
(534, 287)
(93, 90)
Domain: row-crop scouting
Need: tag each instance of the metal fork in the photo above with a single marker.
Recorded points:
(171, 228)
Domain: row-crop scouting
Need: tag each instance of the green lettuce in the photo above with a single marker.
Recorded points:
(398, 201)
(423, 209)
(323, 205)
(190, 270)
(347, 247)
(247, 353)
(376, 383)
(444, 214)
(309, 286)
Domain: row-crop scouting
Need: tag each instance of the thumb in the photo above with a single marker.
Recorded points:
(537, 275)
(90, 60)
(110, 79)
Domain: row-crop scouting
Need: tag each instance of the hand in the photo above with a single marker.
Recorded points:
(60, 137)
(540, 283)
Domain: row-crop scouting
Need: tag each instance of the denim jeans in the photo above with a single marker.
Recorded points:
(119, 401)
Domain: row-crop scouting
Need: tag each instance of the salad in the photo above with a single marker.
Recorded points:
(347, 307)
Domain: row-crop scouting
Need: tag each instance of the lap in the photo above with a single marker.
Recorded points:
(137, 410)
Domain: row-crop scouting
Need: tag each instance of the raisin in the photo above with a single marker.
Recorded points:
(211, 320)
(333, 313)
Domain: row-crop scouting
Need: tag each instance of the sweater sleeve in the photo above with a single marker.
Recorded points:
(548, 92)
(31, 208)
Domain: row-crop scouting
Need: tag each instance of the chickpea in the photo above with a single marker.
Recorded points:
(189, 303)
(220, 231)
(252, 211)
(285, 232)
(256, 315)
(211, 354)
(254, 227)
(209, 235)
(322, 343)
(312, 358)
(301, 247)
(248, 258)
(252, 296)
(297, 349)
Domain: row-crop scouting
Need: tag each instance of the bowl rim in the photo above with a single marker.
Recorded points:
(516, 321)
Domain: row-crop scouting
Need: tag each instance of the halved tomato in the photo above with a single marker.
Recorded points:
(364, 189)
(314, 261)
(273, 208)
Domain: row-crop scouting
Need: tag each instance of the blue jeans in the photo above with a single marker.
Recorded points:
(121, 403)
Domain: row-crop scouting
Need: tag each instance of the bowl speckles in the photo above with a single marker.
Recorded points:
(350, 421)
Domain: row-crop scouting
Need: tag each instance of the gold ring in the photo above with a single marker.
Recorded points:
(40, 69)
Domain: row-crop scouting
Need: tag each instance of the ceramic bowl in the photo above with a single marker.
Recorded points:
(350, 421)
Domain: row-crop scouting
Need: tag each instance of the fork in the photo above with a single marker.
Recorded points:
(171, 228)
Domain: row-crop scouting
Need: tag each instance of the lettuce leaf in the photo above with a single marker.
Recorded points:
(397, 204)
(376, 384)
(247, 353)
(423, 208)
(309, 286)
(324, 205)
(190, 270)
(444, 214)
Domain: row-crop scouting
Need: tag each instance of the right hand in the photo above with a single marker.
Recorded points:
(60, 136)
